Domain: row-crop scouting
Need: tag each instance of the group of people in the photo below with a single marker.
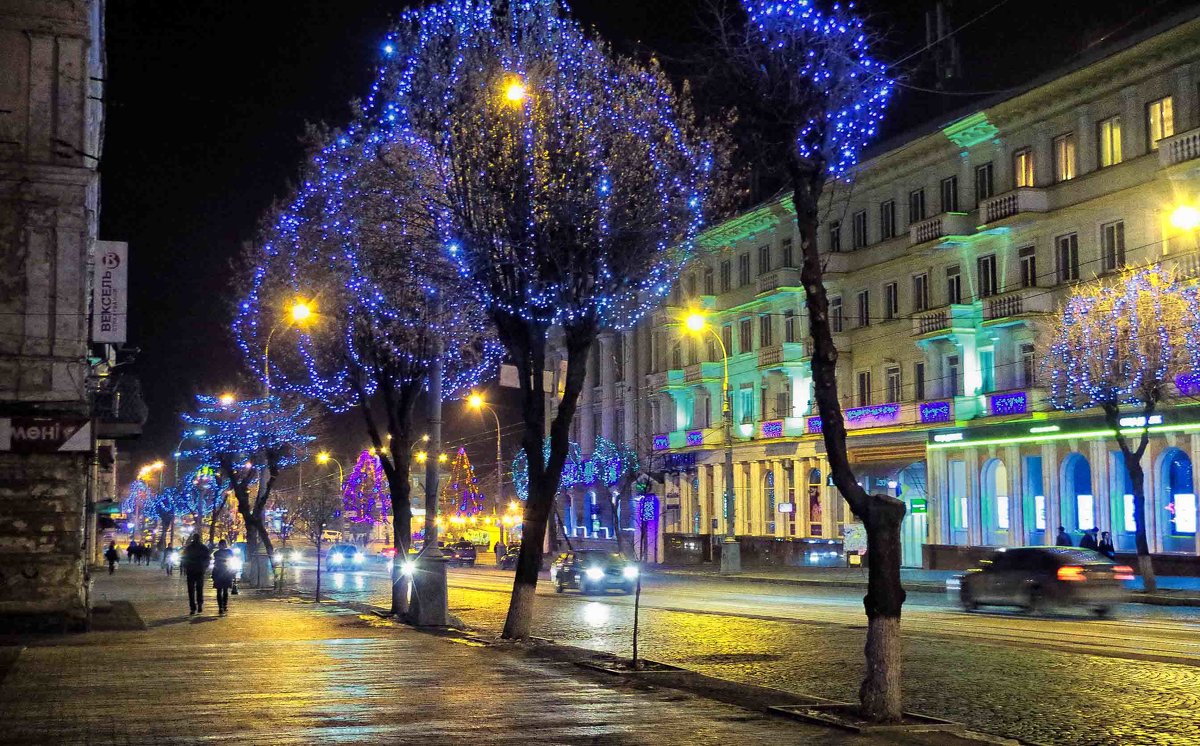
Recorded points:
(1092, 539)
(138, 553)
(194, 562)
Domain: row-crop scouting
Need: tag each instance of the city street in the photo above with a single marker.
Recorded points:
(1061, 679)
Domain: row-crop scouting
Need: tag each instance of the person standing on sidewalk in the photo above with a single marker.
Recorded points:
(112, 556)
(195, 562)
(223, 575)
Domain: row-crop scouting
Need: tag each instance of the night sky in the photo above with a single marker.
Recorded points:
(207, 101)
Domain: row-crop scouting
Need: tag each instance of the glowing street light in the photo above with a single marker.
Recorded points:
(227, 399)
(1186, 218)
(324, 458)
(301, 312)
(515, 91)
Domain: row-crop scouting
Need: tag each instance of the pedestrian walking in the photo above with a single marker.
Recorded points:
(501, 550)
(1063, 540)
(130, 551)
(112, 557)
(195, 562)
(1089, 540)
(223, 575)
(1106, 546)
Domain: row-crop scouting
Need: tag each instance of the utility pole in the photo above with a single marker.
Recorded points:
(430, 597)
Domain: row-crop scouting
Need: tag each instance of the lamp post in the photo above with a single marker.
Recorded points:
(178, 452)
(476, 401)
(731, 551)
(299, 314)
(137, 509)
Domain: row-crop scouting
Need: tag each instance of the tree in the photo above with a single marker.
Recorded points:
(249, 442)
(1124, 343)
(570, 187)
(460, 495)
(360, 237)
(366, 499)
(311, 515)
(809, 96)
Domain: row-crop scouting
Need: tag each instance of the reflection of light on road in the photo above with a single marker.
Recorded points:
(358, 582)
(339, 580)
(595, 614)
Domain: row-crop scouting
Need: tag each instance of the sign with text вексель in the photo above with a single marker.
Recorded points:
(110, 291)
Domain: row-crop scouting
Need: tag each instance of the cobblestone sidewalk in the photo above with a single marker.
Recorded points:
(281, 672)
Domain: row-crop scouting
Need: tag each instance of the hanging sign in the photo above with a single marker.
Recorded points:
(110, 291)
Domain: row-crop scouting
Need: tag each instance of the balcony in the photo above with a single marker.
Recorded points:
(947, 319)
(777, 356)
(119, 408)
(1179, 148)
(1009, 306)
(1012, 203)
(940, 226)
(702, 372)
(656, 381)
(1186, 266)
(780, 278)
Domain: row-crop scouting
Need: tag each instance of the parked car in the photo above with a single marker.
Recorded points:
(1038, 578)
(331, 535)
(343, 556)
(460, 553)
(593, 571)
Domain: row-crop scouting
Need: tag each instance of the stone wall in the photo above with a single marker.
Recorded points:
(42, 573)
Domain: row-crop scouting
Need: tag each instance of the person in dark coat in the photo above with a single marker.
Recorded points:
(1106, 546)
(112, 557)
(131, 550)
(195, 563)
(1089, 540)
(1063, 540)
(223, 575)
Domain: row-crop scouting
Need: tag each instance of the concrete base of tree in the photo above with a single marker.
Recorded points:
(257, 571)
(731, 556)
(430, 598)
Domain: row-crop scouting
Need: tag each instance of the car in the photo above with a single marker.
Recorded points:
(343, 556)
(331, 535)
(460, 553)
(509, 560)
(593, 571)
(1039, 578)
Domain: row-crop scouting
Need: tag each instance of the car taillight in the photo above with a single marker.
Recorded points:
(1123, 572)
(1071, 573)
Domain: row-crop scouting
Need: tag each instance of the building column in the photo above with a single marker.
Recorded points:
(828, 508)
(1050, 487)
(974, 499)
(1016, 498)
(1101, 462)
(1085, 148)
(937, 497)
(753, 510)
(781, 496)
(587, 434)
(1133, 124)
(1043, 155)
(1184, 101)
(633, 388)
(1150, 487)
(608, 384)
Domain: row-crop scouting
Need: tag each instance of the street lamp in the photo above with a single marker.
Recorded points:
(300, 313)
(477, 402)
(324, 458)
(144, 472)
(515, 91)
(731, 554)
(227, 399)
(1185, 218)
(178, 452)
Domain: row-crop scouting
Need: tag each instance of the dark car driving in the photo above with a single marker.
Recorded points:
(344, 556)
(1038, 578)
(593, 571)
(509, 560)
(460, 553)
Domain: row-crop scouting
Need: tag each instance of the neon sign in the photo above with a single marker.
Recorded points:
(695, 437)
(772, 429)
(662, 442)
(935, 411)
(1015, 403)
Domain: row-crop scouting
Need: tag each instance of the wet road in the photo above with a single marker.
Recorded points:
(1131, 679)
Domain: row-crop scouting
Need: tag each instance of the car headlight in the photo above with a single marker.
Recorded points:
(358, 559)
(235, 563)
(594, 573)
(335, 559)
(296, 555)
(408, 568)
(630, 572)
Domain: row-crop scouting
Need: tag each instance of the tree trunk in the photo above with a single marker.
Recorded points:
(400, 488)
(1137, 476)
(880, 693)
(526, 343)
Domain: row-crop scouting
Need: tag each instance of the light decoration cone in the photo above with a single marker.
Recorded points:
(366, 491)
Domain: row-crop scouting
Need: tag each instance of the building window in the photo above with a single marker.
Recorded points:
(618, 357)
(1028, 365)
(746, 393)
(987, 369)
(727, 338)
(983, 182)
(1023, 168)
(1112, 245)
(893, 384)
(891, 300)
(952, 373)
(1027, 257)
(598, 424)
(1108, 134)
(860, 229)
(789, 326)
(986, 265)
(676, 356)
(709, 287)
(785, 248)
(764, 259)
(765, 336)
(744, 269)
(864, 388)
(920, 286)
(711, 349)
(950, 194)
(837, 320)
(916, 206)
(953, 284)
(887, 219)
(726, 276)
(1160, 121)
(864, 308)
(1066, 257)
(746, 336)
(1064, 157)
(919, 381)
(691, 286)
(835, 236)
